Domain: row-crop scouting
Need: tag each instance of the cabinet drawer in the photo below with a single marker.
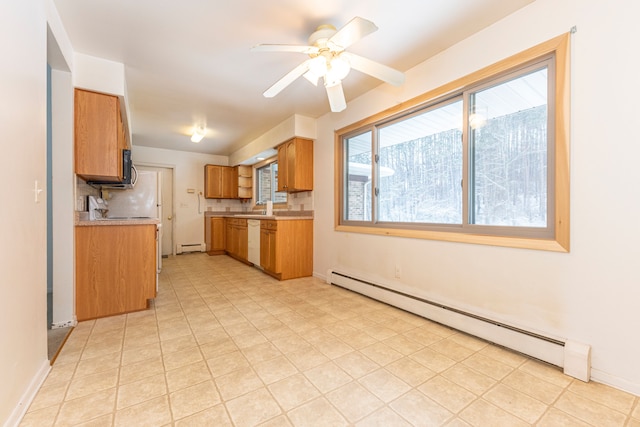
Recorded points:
(269, 224)
(237, 221)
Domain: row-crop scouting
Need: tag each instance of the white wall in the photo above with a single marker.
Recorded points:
(63, 181)
(103, 75)
(188, 173)
(589, 295)
(23, 309)
(296, 125)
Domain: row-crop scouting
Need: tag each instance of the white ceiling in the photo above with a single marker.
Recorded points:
(189, 60)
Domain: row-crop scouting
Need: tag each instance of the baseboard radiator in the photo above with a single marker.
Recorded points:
(190, 247)
(574, 357)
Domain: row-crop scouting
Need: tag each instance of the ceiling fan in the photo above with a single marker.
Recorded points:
(330, 61)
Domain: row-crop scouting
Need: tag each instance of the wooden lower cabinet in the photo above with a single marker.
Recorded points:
(237, 238)
(286, 248)
(115, 269)
(215, 235)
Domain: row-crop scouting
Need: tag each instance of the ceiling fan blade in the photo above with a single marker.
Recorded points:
(336, 97)
(287, 79)
(312, 77)
(353, 31)
(284, 48)
(375, 69)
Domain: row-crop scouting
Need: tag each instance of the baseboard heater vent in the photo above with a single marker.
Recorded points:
(541, 347)
(191, 247)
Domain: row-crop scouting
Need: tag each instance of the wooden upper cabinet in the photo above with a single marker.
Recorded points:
(295, 165)
(100, 136)
(220, 182)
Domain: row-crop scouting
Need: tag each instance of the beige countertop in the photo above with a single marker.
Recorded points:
(120, 221)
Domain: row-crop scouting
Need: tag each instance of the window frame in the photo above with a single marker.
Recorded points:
(267, 162)
(557, 187)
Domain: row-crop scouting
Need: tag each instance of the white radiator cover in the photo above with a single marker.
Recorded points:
(190, 247)
(573, 357)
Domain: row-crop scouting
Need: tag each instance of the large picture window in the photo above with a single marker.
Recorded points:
(484, 163)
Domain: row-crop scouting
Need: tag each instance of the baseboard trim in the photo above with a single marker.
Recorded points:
(29, 394)
(616, 382)
(64, 324)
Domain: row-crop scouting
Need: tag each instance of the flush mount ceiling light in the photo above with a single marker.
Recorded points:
(329, 60)
(198, 133)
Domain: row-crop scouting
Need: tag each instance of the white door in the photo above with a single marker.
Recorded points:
(166, 188)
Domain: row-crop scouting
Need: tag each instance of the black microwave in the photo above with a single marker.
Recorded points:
(126, 166)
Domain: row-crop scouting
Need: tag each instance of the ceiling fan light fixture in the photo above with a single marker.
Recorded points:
(318, 66)
(339, 67)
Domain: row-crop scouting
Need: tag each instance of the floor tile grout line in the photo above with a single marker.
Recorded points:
(322, 321)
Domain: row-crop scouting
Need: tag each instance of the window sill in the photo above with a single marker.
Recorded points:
(510, 242)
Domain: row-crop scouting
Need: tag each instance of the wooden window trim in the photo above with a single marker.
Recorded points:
(560, 242)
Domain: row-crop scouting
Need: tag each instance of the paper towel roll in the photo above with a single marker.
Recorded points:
(269, 208)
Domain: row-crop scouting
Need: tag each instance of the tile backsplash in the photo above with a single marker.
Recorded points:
(302, 201)
(82, 191)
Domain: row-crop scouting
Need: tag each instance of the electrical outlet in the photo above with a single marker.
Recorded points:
(398, 273)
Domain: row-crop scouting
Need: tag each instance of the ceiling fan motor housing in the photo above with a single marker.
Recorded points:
(320, 36)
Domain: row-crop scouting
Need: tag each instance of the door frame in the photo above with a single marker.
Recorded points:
(173, 194)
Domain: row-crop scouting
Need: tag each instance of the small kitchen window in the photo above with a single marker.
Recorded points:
(483, 159)
(267, 184)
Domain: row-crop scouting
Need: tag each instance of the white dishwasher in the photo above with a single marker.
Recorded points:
(253, 254)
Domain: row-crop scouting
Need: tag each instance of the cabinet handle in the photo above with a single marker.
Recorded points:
(170, 217)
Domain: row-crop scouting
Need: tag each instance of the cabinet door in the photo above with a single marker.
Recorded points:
(273, 253)
(268, 250)
(212, 182)
(243, 242)
(264, 248)
(301, 179)
(282, 167)
(229, 237)
(98, 133)
(295, 165)
(217, 234)
(112, 281)
(229, 183)
(123, 138)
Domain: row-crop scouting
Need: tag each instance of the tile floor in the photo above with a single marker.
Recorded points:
(225, 345)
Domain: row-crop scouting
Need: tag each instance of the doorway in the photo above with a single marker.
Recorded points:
(60, 193)
(166, 188)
